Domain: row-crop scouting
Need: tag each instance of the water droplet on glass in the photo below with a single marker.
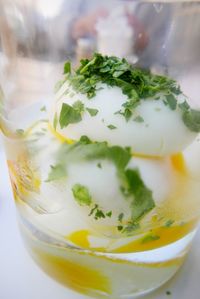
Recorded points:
(158, 7)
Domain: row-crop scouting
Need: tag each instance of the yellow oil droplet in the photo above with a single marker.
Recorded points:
(58, 136)
(80, 238)
(76, 276)
(178, 163)
(162, 236)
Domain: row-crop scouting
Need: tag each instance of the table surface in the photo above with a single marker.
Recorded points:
(21, 278)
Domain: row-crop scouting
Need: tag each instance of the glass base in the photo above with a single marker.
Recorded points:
(105, 275)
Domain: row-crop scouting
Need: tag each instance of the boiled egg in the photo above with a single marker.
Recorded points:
(154, 129)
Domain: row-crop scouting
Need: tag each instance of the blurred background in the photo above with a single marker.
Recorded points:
(38, 36)
(57, 30)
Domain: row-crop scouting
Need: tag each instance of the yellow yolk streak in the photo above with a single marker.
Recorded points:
(178, 163)
(166, 236)
(80, 238)
(58, 136)
(71, 274)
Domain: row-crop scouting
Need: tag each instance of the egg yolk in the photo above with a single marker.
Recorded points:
(74, 275)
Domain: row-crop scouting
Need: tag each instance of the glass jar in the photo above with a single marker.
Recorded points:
(103, 152)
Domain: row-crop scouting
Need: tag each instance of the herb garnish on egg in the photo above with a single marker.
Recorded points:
(98, 213)
(111, 127)
(136, 83)
(71, 114)
(82, 195)
(139, 196)
(92, 112)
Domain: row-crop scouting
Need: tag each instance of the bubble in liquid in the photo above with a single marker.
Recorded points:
(158, 7)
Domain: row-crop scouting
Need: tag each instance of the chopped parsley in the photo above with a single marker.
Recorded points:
(56, 173)
(111, 127)
(131, 227)
(71, 114)
(43, 109)
(184, 106)
(92, 112)
(20, 132)
(168, 293)
(137, 84)
(120, 227)
(81, 195)
(139, 119)
(132, 186)
(171, 101)
(78, 106)
(109, 214)
(142, 199)
(169, 223)
(150, 238)
(191, 119)
(67, 68)
(99, 165)
(98, 213)
(120, 217)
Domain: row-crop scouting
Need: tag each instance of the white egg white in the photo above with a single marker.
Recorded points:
(162, 131)
(192, 159)
(104, 187)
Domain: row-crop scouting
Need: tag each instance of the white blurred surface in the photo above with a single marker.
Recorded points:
(21, 278)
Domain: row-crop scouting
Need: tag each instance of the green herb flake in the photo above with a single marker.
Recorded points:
(171, 101)
(142, 202)
(78, 106)
(111, 127)
(120, 217)
(43, 109)
(70, 115)
(99, 165)
(137, 84)
(67, 67)
(109, 214)
(93, 210)
(99, 214)
(169, 223)
(92, 112)
(81, 195)
(191, 119)
(124, 191)
(56, 173)
(150, 238)
(168, 293)
(138, 119)
(184, 106)
(132, 186)
(120, 227)
(131, 227)
(20, 132)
